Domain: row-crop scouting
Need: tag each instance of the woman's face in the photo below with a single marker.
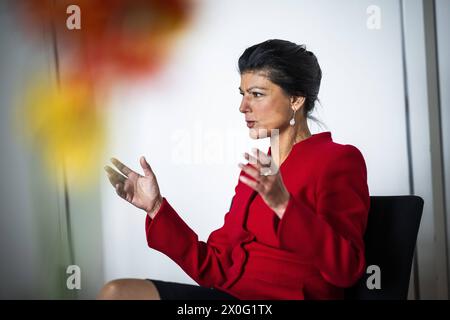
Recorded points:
(264, 104)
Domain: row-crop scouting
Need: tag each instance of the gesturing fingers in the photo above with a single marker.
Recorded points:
(269, 167)
(122, 168)
(255, 185)
(114, 176)
(262, 161)
(145, 166)
(251, 171)
(255, 162)
(251, 159)
(263, 158)
(120, 191)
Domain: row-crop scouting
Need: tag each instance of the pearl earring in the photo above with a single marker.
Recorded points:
(292, 122)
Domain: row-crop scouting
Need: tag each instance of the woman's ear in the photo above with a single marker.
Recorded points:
(297, 102)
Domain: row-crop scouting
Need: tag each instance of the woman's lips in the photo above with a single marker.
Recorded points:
(250, 124)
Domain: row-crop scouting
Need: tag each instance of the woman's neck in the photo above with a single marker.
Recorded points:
(286, 140)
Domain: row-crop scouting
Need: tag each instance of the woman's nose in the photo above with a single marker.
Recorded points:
(245, 106)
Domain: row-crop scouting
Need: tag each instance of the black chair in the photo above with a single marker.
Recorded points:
(390, 239)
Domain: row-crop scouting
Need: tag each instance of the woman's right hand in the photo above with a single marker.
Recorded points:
(141, 191)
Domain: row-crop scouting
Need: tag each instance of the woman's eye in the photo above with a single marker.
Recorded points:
(257, 94)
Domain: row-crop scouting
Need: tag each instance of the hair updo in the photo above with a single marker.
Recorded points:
(288, 65)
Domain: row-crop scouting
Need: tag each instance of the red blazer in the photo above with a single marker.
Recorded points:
(320, 247)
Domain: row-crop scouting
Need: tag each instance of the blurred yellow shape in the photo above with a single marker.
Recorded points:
(66, 126)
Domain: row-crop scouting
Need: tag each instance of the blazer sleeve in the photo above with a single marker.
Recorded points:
(205, 262)
(331, 235)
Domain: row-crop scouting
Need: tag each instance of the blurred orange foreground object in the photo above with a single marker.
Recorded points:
(116, 37)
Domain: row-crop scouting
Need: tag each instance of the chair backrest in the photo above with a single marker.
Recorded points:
(390, 239)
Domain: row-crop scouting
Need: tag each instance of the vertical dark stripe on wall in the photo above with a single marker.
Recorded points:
(435, 105)
(408, 143)
(65, 185)
(444, 186)
(438, 89)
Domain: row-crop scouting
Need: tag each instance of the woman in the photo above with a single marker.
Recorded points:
(296, 224)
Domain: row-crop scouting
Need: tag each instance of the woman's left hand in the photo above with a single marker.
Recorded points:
(267, 183)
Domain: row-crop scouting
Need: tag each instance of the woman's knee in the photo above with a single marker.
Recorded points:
(112, 290)
(124, 289)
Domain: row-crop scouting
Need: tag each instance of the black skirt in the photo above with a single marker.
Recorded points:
(181, 291)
